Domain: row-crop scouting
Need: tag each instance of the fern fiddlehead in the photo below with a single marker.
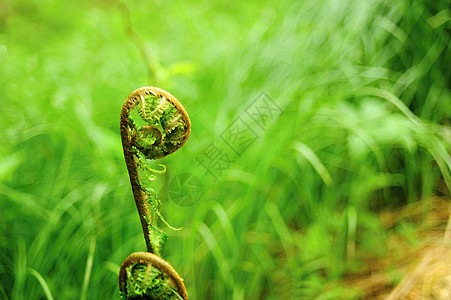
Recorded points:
(153, 124)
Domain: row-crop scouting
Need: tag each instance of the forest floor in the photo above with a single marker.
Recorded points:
(421, 262)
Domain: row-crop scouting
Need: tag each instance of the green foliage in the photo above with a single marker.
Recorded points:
(158, 127)
(157, 236)
(151, 108)
(364, 89)
(146, 282)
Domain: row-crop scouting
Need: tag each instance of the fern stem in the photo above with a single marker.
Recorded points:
(169, 115)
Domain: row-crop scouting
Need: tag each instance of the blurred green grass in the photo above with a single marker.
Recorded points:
(364, 89)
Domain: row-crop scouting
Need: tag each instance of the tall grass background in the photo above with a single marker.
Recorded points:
(364, 90)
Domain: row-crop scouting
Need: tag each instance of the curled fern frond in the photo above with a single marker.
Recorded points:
(153, 124)
(144, 275)
(166, 125)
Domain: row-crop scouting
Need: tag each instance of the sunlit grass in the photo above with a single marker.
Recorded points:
(364, 90)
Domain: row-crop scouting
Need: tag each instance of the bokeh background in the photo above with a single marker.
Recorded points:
(362, 132)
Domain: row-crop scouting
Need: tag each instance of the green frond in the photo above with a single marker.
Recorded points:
(147, 282)
(162, 126)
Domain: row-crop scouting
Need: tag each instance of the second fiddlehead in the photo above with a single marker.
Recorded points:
(153, 124)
